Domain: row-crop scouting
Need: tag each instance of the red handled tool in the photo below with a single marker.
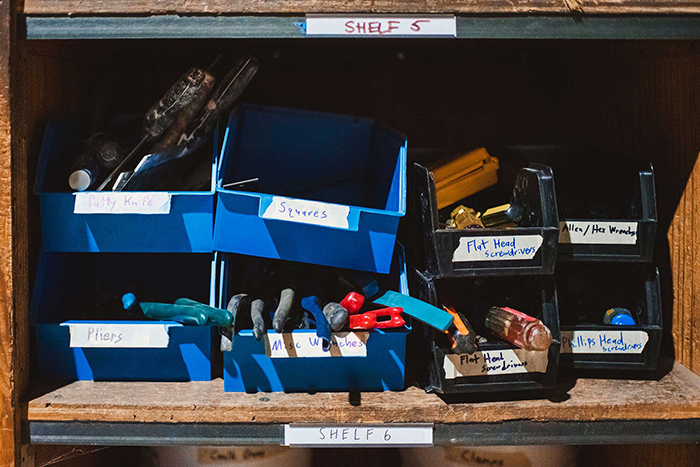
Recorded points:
(353, 302)
(370, 319)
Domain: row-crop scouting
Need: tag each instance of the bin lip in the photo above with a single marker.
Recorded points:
(405, 329)
(609, 327)
(495, 346)
(403, 156)
(125, 322)
(251, 194)
(59, 124)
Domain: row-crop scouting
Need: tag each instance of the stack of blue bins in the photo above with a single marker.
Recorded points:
(315, 188)
(90, 259)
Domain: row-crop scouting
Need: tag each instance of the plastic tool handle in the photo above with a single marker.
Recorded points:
(216, 316)
(353, 302)
(323, 330)
(430, 315)
(370, 319)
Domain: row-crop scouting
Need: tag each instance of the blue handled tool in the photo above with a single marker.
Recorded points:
(323, 330)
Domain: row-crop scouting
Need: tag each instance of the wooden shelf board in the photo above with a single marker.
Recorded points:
(141, 7)
(677, 27)
(674, 397)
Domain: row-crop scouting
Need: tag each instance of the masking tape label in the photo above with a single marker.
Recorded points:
(363, 435)
(118, 202)
(308, 344)
(495, 362)
(597, 342)
(381, 26)
(605, 233)
(497, 248)
(308, 212)
(151, 335)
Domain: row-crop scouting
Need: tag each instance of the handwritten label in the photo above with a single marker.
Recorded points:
(495, 362)
(378, 435)
(630, 342)
(224, 455)
(585, 232)
(308, 212)
(307, 344)
(147, 335)
(122, 202)
(380, 26)
(497, 248)
(490, 457)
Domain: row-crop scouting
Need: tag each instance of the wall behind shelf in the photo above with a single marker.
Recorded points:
(638, 99)
(634, 99)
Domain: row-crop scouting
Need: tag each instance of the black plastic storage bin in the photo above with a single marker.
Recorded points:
(585, 292)
(463, 253)
(534, 295)
(606, 203)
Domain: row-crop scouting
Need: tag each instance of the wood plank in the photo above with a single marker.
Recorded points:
(675, 396)
(291, 26)
(140, 7)
(665, 129)
(9, 420)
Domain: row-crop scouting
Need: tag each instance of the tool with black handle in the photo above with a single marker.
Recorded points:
(199, 129)
(163, 113)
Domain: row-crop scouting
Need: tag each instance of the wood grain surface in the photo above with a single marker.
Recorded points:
(675, 396)
(9, 415)
(125, 7)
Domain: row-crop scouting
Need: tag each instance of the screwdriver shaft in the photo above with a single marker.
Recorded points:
(118, 169)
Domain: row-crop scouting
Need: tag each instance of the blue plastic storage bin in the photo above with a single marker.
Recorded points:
(248, 368)
(187, 228)
(80, 293)
(331, 188)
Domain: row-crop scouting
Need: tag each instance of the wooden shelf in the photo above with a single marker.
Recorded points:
(274, 26)
(143, 7)
(584, 410)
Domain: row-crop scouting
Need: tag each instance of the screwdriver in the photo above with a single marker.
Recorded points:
(464, 337)
(192, 128)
